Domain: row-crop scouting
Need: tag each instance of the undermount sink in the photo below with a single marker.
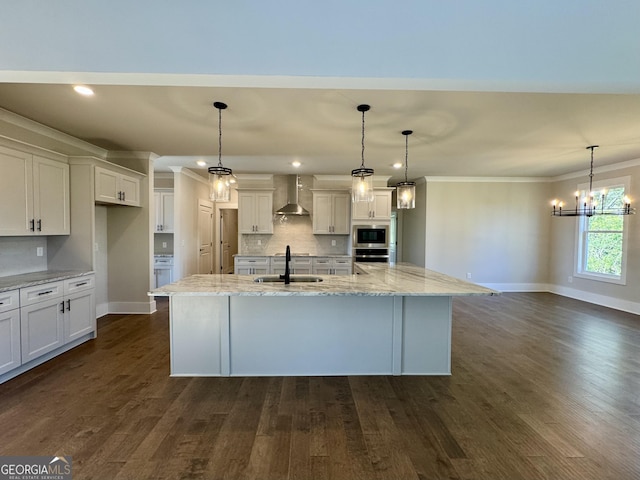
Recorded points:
(293, 279)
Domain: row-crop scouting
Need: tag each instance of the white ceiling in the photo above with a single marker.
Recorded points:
(490, 89)
(265, 129)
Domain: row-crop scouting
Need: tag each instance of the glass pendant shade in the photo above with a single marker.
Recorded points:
(406, 191)
(406, 195)
(362, 187)
(220, 187)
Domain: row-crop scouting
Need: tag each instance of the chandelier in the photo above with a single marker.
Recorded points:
(406, 191)
(362, 178)
(219, 175)
(588, 206)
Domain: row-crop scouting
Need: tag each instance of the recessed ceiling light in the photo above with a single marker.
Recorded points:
(201, 163)
(397, 165)
(296, 163)
(83, 90)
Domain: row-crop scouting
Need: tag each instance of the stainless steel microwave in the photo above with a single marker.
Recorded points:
(371, 236)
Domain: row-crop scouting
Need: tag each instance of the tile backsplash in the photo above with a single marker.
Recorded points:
(18, 255)
(296, 232)
(162, 243)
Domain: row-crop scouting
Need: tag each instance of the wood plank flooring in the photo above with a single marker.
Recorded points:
(543, 387)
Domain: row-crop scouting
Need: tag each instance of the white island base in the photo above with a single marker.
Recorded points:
(310, 335)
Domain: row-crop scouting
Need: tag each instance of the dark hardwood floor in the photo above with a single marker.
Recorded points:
(543, 387)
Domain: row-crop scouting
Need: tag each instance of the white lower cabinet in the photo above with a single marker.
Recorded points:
(40, 319)
(332, 265)
(298, 265)
(41, 328)
(252, 265)
(80, 307)
(10, 357)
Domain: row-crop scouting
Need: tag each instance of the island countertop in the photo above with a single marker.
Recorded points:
(374, 280)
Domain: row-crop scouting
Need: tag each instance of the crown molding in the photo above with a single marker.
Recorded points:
(53, 134)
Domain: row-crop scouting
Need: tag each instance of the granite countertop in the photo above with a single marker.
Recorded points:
(13, 282)
(376, 280)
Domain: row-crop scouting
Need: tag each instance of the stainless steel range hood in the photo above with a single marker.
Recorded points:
(292, 207)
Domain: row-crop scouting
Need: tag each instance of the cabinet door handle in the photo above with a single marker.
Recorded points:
(68, 305)
(45, 293)
(124, 196)
(81, 284)
(39, 225)
(32, 225)
(61, 307)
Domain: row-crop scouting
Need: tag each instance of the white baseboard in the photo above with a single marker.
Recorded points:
(603, 300)
(102, 310)
(596, 299)
(517, 287)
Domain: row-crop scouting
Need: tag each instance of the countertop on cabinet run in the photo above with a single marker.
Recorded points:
(376, 280)
(36, 278)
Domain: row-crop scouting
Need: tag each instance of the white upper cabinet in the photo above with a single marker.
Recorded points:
(378, 209)
(164, 210)
(51, 197)
(34, 195)
(118, 188)
(331, 212)
(255, 211)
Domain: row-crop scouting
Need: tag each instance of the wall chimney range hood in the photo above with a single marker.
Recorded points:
(292, 207)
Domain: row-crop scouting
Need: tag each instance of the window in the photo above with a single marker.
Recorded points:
(602, 239)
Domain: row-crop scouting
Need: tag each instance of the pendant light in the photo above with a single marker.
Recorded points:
(589, 205)
(219, 176)
(406, 191)
(362, 178)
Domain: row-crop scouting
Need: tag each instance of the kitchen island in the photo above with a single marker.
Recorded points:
(385, 320)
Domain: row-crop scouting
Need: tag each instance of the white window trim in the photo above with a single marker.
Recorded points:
(578, 259)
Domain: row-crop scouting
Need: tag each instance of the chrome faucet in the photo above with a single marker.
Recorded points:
(287, 272)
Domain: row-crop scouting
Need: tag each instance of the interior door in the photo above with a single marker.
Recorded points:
(228, 238)
(205, 236)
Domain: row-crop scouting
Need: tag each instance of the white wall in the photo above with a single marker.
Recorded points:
(497, 230)
(101, 261)
(188, 187)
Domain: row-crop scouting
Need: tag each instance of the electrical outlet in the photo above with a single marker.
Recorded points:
(164, 244)
(468, 275)
(570, 279)
(333, 243)
(39, 251)
(259, 242)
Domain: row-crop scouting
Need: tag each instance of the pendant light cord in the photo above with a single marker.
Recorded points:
(592, 148)
(219, 137)
(362, 154)
(406, 157)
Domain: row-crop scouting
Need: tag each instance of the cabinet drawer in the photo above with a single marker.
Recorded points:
(253, 261)
(40, 293)
(342, 261)
(9, 300)
(78, 284)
